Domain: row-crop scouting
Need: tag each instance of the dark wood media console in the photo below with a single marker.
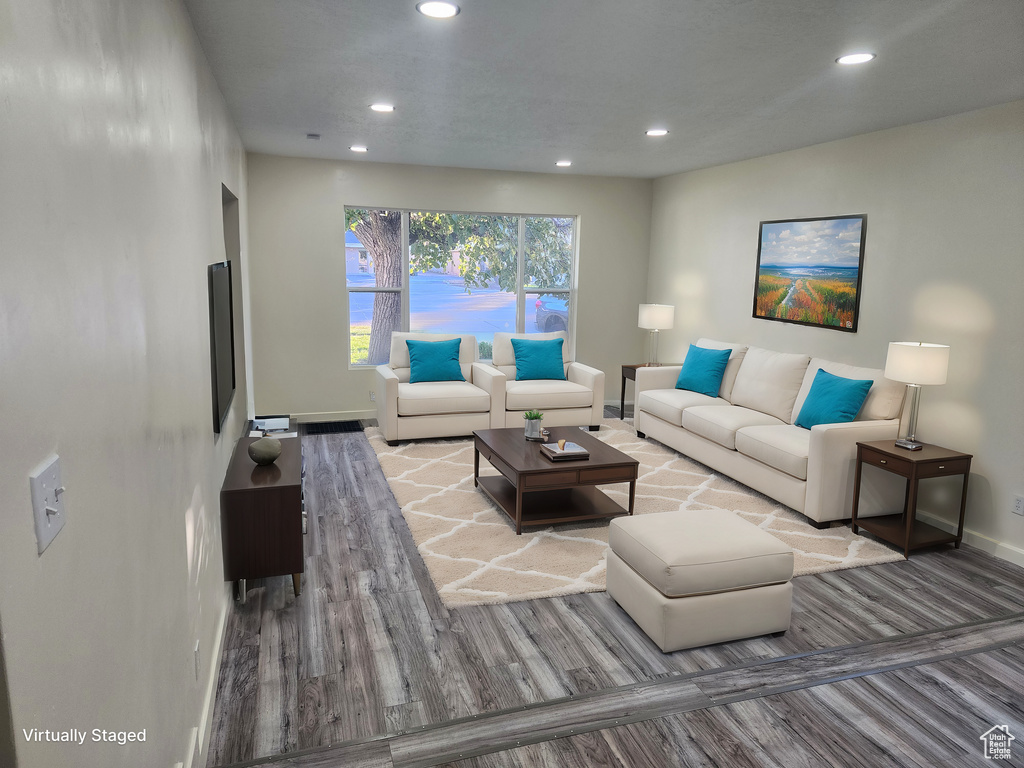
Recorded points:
(261, 516)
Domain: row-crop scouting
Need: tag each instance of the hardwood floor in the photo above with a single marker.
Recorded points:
(906, 663)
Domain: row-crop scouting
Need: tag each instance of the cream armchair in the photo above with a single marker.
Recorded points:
(408, 411)
(576, 401)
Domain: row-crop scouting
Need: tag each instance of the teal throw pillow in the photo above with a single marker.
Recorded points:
(538, 359)
(434, 360)
(832, 400)
(703, 370)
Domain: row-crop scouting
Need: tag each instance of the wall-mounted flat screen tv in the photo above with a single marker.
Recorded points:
(222, 341)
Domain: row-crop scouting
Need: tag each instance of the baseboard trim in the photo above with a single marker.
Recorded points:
(996, 548)
(334, 416)
(198, 746)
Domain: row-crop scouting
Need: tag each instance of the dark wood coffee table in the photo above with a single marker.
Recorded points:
(533, 490)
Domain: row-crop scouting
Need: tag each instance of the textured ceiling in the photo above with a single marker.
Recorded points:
(519, 84)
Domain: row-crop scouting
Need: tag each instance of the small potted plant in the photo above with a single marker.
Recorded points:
(533, 422)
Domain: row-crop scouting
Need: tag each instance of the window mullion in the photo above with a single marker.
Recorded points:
(521, 277)
(406, 251)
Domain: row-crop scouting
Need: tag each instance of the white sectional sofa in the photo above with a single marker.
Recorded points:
(748, 431)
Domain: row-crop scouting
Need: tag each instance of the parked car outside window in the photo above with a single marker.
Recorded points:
(552, 314)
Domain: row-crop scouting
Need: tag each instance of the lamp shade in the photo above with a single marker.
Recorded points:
(656, 317)
(914, 362)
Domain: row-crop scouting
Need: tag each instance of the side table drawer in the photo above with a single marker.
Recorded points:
(899, 466)
(941, 468)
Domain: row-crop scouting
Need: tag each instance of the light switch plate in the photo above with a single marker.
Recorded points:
(47, 501)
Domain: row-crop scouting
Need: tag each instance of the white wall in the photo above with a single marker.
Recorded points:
(300, 307)
(114, 144)
(944, 263)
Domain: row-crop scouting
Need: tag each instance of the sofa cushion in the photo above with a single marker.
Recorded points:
(784, 447)
(538, 359)
(544, 394)
(719, 423)
(440, 397)
(700, 552)
(702, 370)
(735, 360)
(832, 400)
(434, 360)
(669, 404)
(884, 400)
(769, 382)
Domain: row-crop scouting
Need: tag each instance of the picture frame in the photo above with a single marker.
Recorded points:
(809, 271)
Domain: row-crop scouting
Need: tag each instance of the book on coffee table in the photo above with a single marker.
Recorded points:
(567, 453)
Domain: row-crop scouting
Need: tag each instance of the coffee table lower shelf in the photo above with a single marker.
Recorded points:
(562, 505)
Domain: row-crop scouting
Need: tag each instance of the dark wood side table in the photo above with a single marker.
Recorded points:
(903, 529)
(261, 516)
(629, 372)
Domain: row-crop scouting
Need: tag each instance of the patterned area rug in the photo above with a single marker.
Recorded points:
(474, 556)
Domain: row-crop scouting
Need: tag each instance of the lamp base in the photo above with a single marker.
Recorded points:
(910, 445)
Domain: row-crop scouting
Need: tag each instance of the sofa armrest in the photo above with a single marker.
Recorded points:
(387, 401)
(592, 379)
(831, 463)
(658, 377)
(492, 381)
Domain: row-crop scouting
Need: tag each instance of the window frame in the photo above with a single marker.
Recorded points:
(521, 290)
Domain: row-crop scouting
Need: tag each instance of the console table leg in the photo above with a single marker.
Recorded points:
(241, 591)
(297, 583)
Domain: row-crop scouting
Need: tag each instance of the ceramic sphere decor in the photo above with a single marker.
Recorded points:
(265, 450)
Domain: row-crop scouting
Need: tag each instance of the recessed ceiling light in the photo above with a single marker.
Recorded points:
(313, 136)
(657, 132)
(382, 107)
(357, 148)
(436, 9)
(563, 163)
(855, 58)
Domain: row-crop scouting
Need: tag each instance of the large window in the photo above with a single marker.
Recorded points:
(470, 273)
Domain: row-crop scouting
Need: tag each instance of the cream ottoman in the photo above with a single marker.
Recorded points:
(699, 577)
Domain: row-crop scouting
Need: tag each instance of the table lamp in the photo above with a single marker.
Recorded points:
(915, 363)
(655, 318)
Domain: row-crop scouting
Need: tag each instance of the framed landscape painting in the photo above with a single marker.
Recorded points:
(808, 271)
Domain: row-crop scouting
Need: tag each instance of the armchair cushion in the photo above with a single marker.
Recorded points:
(434, 360)
(546, 394)
(428, 398)
(538, 359)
